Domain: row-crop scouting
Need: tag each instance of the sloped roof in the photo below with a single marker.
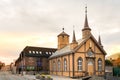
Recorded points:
(63, 34)
(66, 50)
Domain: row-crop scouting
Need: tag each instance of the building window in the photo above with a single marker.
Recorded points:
(29, 51)
(46, 52)
(58, 65)
(79, 64)
(49, 52)
(90, 54)
(33, 52)
(99, 64)
(40, 52)
(37, 52)
(54, 66)
(65, 65)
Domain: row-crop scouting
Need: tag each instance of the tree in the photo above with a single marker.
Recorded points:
(1, 65)
(108, 63)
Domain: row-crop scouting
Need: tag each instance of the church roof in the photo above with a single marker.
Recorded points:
(63, 34)
(67, 50)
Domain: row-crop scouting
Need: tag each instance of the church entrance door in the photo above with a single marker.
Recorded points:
(90, 67)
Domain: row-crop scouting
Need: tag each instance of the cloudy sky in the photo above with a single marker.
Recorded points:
(38, 22)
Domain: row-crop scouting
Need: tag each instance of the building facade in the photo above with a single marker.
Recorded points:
(34, 59)
(83, 57)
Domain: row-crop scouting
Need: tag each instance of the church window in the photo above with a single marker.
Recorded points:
(90, 54)
(99, 64)
(90, 43)
(54, 66)
(62, 38)
(79, 64)
(65, 65)
(58, 65)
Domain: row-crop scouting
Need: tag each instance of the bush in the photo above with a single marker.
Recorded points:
(48, 76)
(37, 76)
(43, 77)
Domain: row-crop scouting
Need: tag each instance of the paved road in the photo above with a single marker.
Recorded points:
(112, 78)
(9, 76)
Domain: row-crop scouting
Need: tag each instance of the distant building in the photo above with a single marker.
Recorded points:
(83, 57)
(2, 65)
(116, 62)
(34, 59)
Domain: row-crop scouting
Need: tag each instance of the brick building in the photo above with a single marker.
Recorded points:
(116, 62)
(82, 57)
(34, 59)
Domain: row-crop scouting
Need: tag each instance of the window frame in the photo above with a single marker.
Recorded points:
(99, 64)
(59, 65)
(54, 66)
(65, 64)
(79, 64)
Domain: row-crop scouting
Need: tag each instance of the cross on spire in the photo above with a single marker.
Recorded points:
(63, 28)
(86, 9)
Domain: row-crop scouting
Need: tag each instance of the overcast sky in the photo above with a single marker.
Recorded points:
(38, 22)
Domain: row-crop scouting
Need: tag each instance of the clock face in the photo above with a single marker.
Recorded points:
(90, 54)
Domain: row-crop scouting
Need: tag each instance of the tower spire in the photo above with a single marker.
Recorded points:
(86, 29)
(86, 20)
(74, 38)
(99, 41)
(74, 42)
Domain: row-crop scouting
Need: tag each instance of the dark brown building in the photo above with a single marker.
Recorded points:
(34, 59)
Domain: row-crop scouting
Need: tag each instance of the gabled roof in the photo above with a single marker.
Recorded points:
(92, 37)
(66, 50)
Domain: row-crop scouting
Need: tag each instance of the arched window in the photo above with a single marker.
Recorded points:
(58, 65)
(54, 66)
(99, 64)
(79, 62)
(65, 65)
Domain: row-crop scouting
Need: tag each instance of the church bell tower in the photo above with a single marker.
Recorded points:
(63, 39)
